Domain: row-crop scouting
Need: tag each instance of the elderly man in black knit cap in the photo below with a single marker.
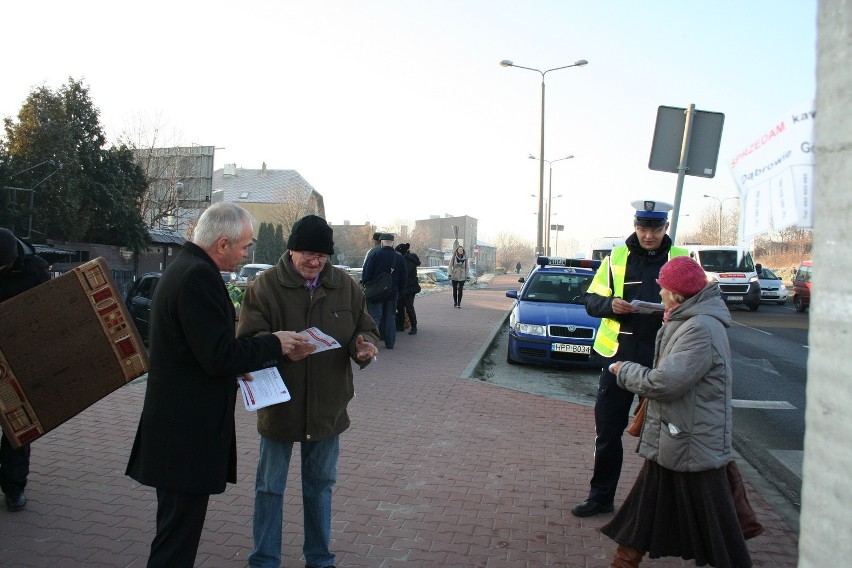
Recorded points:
(302, 291)
(20, 270)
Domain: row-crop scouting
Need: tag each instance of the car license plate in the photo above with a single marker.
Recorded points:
(571, 348)
(735, 298)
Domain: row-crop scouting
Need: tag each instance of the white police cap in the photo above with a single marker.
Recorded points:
(651, 213)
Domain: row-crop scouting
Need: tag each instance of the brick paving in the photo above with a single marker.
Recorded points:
(436, 471)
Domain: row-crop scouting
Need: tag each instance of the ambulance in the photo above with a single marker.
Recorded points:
(734, 269)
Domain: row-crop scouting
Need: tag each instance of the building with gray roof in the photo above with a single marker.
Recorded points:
(270, 196)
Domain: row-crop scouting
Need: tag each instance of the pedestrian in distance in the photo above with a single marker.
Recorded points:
(405, 303)
(518, 267)
(20, 270)
(304, 290)
(681, 503)
(459, 273)
(629, 273)
(185, 444)
(383, 309)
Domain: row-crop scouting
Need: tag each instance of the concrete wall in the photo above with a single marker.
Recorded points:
(826, 516)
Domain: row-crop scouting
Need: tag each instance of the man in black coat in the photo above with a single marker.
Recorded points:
(20, 270)
(383, 310)
(185, 445)
(405, 302)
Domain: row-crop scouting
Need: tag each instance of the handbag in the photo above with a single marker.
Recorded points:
(745, 514)
(635, 427)
(379, 288)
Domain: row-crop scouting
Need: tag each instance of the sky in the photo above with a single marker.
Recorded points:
(399, 110)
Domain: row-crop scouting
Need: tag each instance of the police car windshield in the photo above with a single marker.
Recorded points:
(557, 287)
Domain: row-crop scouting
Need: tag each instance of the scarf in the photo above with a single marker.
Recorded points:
(668, 311)
(460, 259)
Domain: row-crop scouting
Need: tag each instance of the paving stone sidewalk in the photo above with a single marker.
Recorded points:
(436, 471)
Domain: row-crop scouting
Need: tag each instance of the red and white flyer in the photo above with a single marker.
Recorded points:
(265, 389)
(322, 341)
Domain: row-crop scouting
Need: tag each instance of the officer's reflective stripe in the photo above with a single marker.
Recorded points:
(606, 340)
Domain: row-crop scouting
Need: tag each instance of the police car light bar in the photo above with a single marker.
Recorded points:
(562, 261)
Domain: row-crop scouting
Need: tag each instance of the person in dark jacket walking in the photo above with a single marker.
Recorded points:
(405, 303)
(383, 310)
(20, 270)
(185, 445)
(628, 273)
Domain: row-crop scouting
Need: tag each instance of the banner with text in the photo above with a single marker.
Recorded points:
(775, 175)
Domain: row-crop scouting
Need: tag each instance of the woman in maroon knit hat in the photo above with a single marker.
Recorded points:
(681, 503)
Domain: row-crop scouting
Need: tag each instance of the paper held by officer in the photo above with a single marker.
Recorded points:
(641, 307)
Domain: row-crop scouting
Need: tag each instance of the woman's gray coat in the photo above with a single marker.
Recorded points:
(688, 422)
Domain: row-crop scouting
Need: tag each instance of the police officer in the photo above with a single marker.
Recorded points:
(20, 270)
(628, 273)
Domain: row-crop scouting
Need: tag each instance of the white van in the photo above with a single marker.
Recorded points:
(734, 270)
(602, 246)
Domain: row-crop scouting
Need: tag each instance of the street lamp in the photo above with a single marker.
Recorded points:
(550, 195)
(32, 189)
(721, 201)
(508, 63)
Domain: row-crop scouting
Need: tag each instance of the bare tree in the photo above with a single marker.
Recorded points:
(708, 231)
(512, 249)
(352, 242)
(175, 195)
(420, 240)
(287, 211)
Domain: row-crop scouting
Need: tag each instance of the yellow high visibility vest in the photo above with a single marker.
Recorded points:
(609, 281)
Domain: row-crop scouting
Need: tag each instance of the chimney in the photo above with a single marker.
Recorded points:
(230, 169)
(263, 169)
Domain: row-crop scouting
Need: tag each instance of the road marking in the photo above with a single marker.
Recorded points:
(751, 328)
(765, 404)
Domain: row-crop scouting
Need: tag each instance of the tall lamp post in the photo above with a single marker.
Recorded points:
(549, 196)
(32, 189)
(721, 201)
(508, 63)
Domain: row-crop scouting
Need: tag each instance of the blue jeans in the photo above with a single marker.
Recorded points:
(384, 314)
(319, 473)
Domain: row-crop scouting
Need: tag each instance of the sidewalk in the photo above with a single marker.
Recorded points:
(436, 471)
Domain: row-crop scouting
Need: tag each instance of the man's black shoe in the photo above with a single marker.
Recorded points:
(16, 502)
(413, 331)
(589, 508)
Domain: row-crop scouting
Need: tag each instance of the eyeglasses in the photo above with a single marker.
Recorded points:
(319, 257)
(656, 231)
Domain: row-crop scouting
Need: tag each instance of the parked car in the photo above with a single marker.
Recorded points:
(139, 299)
(432, 277)
(802, 287)
(228, 277)
(772, 288)
(548, 324)
(250, 271)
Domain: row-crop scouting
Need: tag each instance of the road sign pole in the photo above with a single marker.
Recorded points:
(681, 169)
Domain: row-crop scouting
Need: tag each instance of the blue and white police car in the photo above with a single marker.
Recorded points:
(549, 324)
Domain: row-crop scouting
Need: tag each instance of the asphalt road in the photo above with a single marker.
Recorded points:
(769, 349)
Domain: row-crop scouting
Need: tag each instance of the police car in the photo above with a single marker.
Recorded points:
(549, 324)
